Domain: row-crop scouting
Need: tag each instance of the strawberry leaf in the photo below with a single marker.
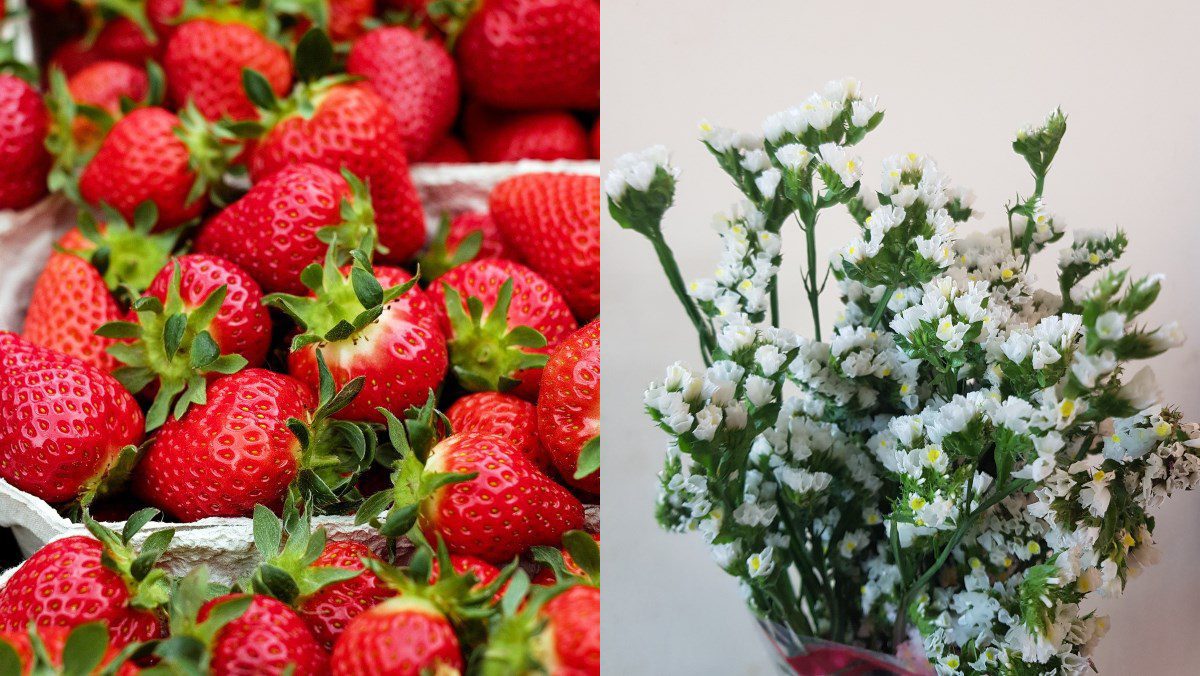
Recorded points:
(589, 458)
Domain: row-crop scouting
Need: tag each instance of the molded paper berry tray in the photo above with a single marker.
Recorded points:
(225, 544)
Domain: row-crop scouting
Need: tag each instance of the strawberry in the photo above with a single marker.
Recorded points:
(24, 162)
(557, 632)
(327, 583)
(568, 408)
(523, 54)
(553, 221)
(496, 136)
(90, 264)
(417, 78)
(485, 354)
(403, 635)
(122, 39)
(150, 154)
(419, 630)
(371, 323)
(475, 492)
(67, 430)
(103, 85)
(201, 316)
(467, 236)
(91, 639)
(74, 55)
(449, 150)
(594, 138)
(283, 224)
(560, 565)
(503, 415)
(254, 434)
(205, 58)
(337, 125)
(268, 638)
(85, 578)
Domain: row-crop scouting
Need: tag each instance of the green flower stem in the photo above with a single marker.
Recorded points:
(877, 315)
(666, 258)
(775, 305)
(814, 291)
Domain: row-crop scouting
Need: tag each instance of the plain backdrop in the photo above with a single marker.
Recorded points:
(956, 80)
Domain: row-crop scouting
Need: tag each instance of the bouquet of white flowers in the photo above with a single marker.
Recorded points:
(966, 459)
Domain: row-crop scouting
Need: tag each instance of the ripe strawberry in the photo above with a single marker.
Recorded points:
(275, 230)
(570, 642)
(485, 354)
(449, 150)
(497, 136)
(24, 162)
(121, 39)
(349, 127)
(103, 85)
(568, 408)
(417, 78)
(479, 495)
(503, 415)
(561, 565)
(74, 55)
(240, 448)
(557, 632)
(269, 637)
(90, 264)
(524, 54)
(466, 237)
(81, 579)
(327, 583)
(371, 323)
(205, 58)
(462, 564)
(67, 430)
(553, 221)
(595, 140)
(150, 154)
(404, 635)
(242, 325)
(54, 642)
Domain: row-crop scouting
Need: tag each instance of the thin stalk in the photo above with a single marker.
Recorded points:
(879, 307)
(775, 305)
(666, 258)
(814, 293)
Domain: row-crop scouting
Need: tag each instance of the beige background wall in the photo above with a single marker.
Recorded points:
(956, 79)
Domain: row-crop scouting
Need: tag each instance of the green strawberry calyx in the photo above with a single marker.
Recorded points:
(519, 634)
(188, 650)
(170, 344)
(358, 220)
(583, 550)
(341, 305)
(83, 653)
(288, 548)
(484, 353)
(439, 258)
(410, 444)
(149, 585)
(451, 17)
(127, 255)
(332, 452)
(212, 148)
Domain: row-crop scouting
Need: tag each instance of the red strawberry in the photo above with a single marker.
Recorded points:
(54, 641)
(405, 635)
(417, 78)
(496, 136)
(568, 408)
(24, 161)
(492, 246)
(204, 62)
(372, 323)
(546, 574)
(74, 55)
(268, 638)
(553, 221)
(104, 83)
(242, 325)
(72, 297)
(64, 425)
(236, 450)
(81, 579)
(330, 610)
(503, 415)
(273, 231)
(121, 39)
(449, 150)
(483, 571)
(152, 155)
(570, 641)
(595, 140)
(524, 54)
(348, 127)
(508, 507)
(486, 355)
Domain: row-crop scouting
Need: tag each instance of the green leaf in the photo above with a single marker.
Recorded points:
(584, 551)
(373, 506)
(366, 287)
(85, 647)
(278, 583)
(518, 587)
(589, 458)
(153, 547)
(258, 89)
(204, 350)
(173, 333)
(10, 663)
(119, 330)
(314, 55)
(268, 532)
(136, 522)
(400, 520)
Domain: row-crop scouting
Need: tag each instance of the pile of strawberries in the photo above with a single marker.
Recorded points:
(250, 320)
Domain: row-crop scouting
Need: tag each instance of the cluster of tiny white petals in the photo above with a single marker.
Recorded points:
(635, 171)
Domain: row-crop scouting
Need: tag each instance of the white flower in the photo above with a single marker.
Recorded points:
(793, 156)
(769, 359)
(852, 543)
(760, 391)
(637, 170)
(708, 419)
(761, 564)
(1167, 337)
(768, 181)
(1110, 325)
(848, 169)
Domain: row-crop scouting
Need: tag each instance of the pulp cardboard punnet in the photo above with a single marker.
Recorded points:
(226, 545)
